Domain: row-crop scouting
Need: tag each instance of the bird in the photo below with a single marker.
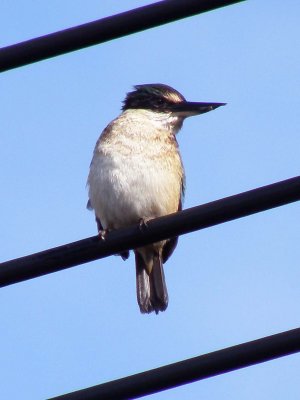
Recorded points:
(136, 174)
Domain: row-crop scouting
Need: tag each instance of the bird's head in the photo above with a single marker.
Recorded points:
(161, 98)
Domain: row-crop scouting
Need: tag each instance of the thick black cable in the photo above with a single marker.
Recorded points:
(103, 30)
(193, 369)
(186, 221)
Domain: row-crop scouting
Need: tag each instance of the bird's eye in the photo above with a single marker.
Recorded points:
(159, 102)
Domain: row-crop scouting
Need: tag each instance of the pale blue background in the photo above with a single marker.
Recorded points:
(228, 284)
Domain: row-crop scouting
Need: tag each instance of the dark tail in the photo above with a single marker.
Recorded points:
(152, 294)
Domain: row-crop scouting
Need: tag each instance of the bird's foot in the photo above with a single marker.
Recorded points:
(143, 223)
(103, 233)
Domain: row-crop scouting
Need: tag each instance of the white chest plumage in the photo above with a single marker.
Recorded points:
(136, 171)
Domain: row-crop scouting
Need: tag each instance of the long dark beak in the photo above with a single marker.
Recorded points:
(189, 108)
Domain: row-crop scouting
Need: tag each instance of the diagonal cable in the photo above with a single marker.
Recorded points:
(192, 369)
(103, 30)
(189, 220)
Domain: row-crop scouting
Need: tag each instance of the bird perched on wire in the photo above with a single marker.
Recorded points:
(136, 174)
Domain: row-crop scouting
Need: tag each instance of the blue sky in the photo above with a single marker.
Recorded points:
(228, 284)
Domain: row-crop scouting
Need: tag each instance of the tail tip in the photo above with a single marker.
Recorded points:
(148, 308)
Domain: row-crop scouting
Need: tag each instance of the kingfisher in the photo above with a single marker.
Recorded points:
(136, 174)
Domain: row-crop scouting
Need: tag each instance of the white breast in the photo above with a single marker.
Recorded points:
(136, 172)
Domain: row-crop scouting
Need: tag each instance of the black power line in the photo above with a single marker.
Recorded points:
(103, 30)
(193, 369)
(186, 221)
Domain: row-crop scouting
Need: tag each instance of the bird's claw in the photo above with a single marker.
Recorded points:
(143, 223)
(103, 233)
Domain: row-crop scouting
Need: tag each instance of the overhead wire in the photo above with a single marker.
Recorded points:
(193, 369)
(103, 30)
(186, 221)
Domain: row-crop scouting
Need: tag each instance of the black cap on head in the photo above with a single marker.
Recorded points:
(163, 98)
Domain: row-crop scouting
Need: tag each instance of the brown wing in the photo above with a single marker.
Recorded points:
(172, 243)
